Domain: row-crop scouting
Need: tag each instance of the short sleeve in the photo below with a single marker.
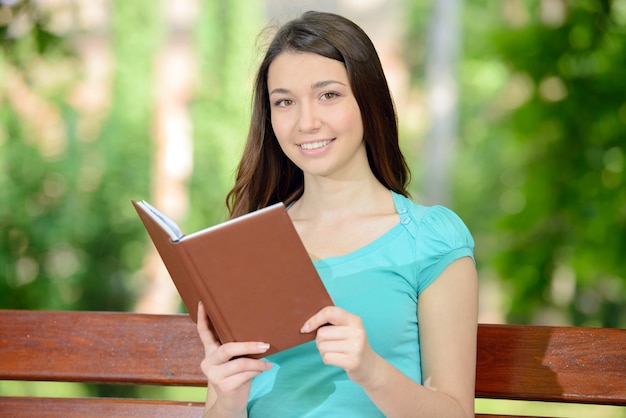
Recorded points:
(443, 238)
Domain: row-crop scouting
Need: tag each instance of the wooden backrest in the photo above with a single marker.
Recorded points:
(568, 364)
(540, 363)
(100, 347)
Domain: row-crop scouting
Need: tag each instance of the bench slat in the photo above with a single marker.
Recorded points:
(17, 407)
(506, 416)
(100, 347)
(565, 364)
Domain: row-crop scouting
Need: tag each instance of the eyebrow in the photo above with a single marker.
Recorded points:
(314, 86)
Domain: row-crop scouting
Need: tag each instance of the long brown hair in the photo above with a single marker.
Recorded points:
(265, 175)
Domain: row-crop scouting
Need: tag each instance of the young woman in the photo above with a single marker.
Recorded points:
(401, 340)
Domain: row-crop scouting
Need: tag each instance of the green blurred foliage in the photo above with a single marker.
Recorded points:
(227, 53)
(69, 237)
(539, 174)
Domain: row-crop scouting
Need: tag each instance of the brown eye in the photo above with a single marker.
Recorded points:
(284, 102)
(329, 95)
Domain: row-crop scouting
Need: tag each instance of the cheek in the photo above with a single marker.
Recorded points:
(357, 122)
(277, 126)
(351, 121)
(281, 130)
(282, 121)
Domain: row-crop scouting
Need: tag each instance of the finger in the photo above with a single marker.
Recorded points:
(229, 351)
(241, 365)
(202, 324)
(322, 317)
(335, 346)
(235, 369)
(236, 381)
(346, 341)
(335, 333)
(328, 315)
(337, 359)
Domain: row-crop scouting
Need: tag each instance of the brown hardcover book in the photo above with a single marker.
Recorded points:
(252, 274)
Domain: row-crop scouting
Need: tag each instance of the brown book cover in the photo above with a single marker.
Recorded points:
(252, 273)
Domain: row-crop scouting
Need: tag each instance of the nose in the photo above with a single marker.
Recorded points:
(308, 118)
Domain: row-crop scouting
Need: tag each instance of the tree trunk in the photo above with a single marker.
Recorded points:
(443, 52)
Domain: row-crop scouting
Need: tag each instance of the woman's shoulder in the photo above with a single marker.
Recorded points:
(432, 221)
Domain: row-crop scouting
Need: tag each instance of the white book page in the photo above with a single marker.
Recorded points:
(166, 223)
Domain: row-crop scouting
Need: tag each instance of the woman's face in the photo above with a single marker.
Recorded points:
(315, 115)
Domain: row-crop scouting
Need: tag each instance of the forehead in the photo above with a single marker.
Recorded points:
(298, 68)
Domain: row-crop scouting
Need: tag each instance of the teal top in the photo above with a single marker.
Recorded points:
(381, 283)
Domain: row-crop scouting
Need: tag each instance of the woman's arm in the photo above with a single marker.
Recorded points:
(447, 315)
(229, 375)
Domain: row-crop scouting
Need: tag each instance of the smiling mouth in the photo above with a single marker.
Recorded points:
(315, 145)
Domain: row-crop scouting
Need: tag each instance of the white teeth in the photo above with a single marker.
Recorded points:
(315, 145)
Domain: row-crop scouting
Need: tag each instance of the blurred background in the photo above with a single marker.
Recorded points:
(512, 113)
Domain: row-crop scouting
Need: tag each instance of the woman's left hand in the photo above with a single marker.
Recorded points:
(342, 341)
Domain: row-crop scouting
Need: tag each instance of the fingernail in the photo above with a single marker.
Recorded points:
(305, 328)
(264, 346)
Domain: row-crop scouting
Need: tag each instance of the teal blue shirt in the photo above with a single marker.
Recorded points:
(381, 283)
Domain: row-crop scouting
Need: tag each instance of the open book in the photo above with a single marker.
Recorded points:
(252, 274)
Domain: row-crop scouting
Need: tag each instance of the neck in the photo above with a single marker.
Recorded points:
(331, 199)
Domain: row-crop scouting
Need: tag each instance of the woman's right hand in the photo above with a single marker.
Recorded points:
(229, 375)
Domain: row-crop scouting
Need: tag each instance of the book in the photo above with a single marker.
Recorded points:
(252, 274)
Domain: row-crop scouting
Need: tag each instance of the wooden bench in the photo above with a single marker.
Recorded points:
(564, 364)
